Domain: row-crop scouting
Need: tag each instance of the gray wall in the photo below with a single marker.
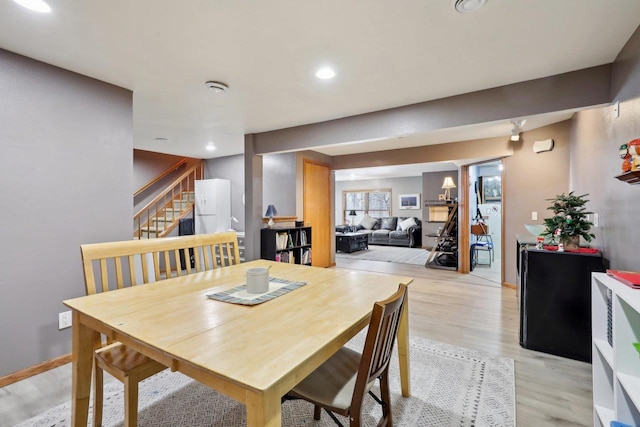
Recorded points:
(231, 168)
(406, 185)
(595, 140)
(279, 185)
(66, 170)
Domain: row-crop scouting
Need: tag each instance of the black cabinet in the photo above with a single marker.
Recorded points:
(555, 301)
(291, 245)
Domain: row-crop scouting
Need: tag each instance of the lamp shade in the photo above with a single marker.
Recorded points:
(271, 211)
(352, 213)
(448, 183)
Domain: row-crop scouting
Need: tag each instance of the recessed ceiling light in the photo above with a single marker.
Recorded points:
(211, 147)
(466, 6)
(325, 73)
(35, 5)
(217, 87)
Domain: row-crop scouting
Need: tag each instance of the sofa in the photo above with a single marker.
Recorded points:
(393, 231)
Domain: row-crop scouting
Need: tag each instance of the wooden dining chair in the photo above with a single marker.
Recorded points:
(341, 383)
(116, 265)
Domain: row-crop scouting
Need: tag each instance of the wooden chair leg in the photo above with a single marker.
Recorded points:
(130, 402)
(98, 390)
(385, 396)
(317, 410)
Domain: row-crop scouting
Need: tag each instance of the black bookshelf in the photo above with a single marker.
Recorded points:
(292, 245)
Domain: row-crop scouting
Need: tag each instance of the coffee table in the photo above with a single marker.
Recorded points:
(351, 242)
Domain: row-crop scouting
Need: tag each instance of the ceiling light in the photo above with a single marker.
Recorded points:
(217, 87)
(466, 6)
(35, 5)
(211, 147)
(325, 73)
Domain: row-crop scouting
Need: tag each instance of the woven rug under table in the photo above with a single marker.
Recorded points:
(451, 386)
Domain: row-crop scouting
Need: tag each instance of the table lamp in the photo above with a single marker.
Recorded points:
(271, 212)
(352, 217)
(448, 185)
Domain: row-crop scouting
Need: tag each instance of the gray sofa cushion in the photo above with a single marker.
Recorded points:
(381, 233)
(389, 223)
(399, 234)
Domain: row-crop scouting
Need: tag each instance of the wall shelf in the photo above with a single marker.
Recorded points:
(632, 177)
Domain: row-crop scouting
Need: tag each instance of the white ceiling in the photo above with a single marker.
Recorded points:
(386, 54)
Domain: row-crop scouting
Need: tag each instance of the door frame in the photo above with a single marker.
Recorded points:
(465, 226)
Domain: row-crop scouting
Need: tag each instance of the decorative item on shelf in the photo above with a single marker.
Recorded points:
(271, 212)
(626, 158)
(634, 151)
(569, 222)
(448, 184)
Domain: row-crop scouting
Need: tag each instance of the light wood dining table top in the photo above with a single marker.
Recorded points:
(254, 354)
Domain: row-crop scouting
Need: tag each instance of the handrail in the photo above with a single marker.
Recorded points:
(157, 208)
(162, 175)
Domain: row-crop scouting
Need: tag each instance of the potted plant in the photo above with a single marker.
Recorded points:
(569, 221)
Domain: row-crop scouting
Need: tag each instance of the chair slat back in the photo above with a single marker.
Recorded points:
(115, 265)
(381, 336)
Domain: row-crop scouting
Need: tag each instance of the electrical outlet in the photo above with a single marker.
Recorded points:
(64, 320)
(534, 216)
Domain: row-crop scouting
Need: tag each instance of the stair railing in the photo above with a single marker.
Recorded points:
(162, 175)
(156, 209)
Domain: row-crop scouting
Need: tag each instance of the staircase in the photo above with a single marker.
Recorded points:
(163, 214)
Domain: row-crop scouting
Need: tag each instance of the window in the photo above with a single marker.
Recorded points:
(376, 203)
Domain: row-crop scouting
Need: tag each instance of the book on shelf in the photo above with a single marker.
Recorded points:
(303, 237)
(629, 278)
(281, 240)
(306, 257)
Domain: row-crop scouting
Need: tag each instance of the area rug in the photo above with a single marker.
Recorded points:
(451, 386)
(416, 256)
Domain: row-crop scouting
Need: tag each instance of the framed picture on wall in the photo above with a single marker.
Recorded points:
(410, 201)
(491, 189)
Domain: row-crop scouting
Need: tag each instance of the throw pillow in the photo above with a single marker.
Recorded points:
(409, 222)
(367, 222)
(389, 223)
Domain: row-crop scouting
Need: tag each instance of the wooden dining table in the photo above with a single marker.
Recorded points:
(254, 354)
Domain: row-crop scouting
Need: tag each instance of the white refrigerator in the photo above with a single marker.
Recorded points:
(212, 205)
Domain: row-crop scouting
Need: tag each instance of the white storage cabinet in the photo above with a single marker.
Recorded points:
(616, 363)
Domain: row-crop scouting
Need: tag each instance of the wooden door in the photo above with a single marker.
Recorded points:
(317, 211)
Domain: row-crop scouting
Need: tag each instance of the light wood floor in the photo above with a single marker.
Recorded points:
(464, 310)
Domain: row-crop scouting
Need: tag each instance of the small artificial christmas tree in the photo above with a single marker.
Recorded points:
(569, 221)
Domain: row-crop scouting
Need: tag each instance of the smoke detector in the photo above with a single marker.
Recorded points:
(217, 87)
(467, 6)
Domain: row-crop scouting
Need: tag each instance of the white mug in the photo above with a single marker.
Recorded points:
(257, 280)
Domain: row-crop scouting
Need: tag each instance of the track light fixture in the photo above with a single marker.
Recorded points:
(516, 129)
